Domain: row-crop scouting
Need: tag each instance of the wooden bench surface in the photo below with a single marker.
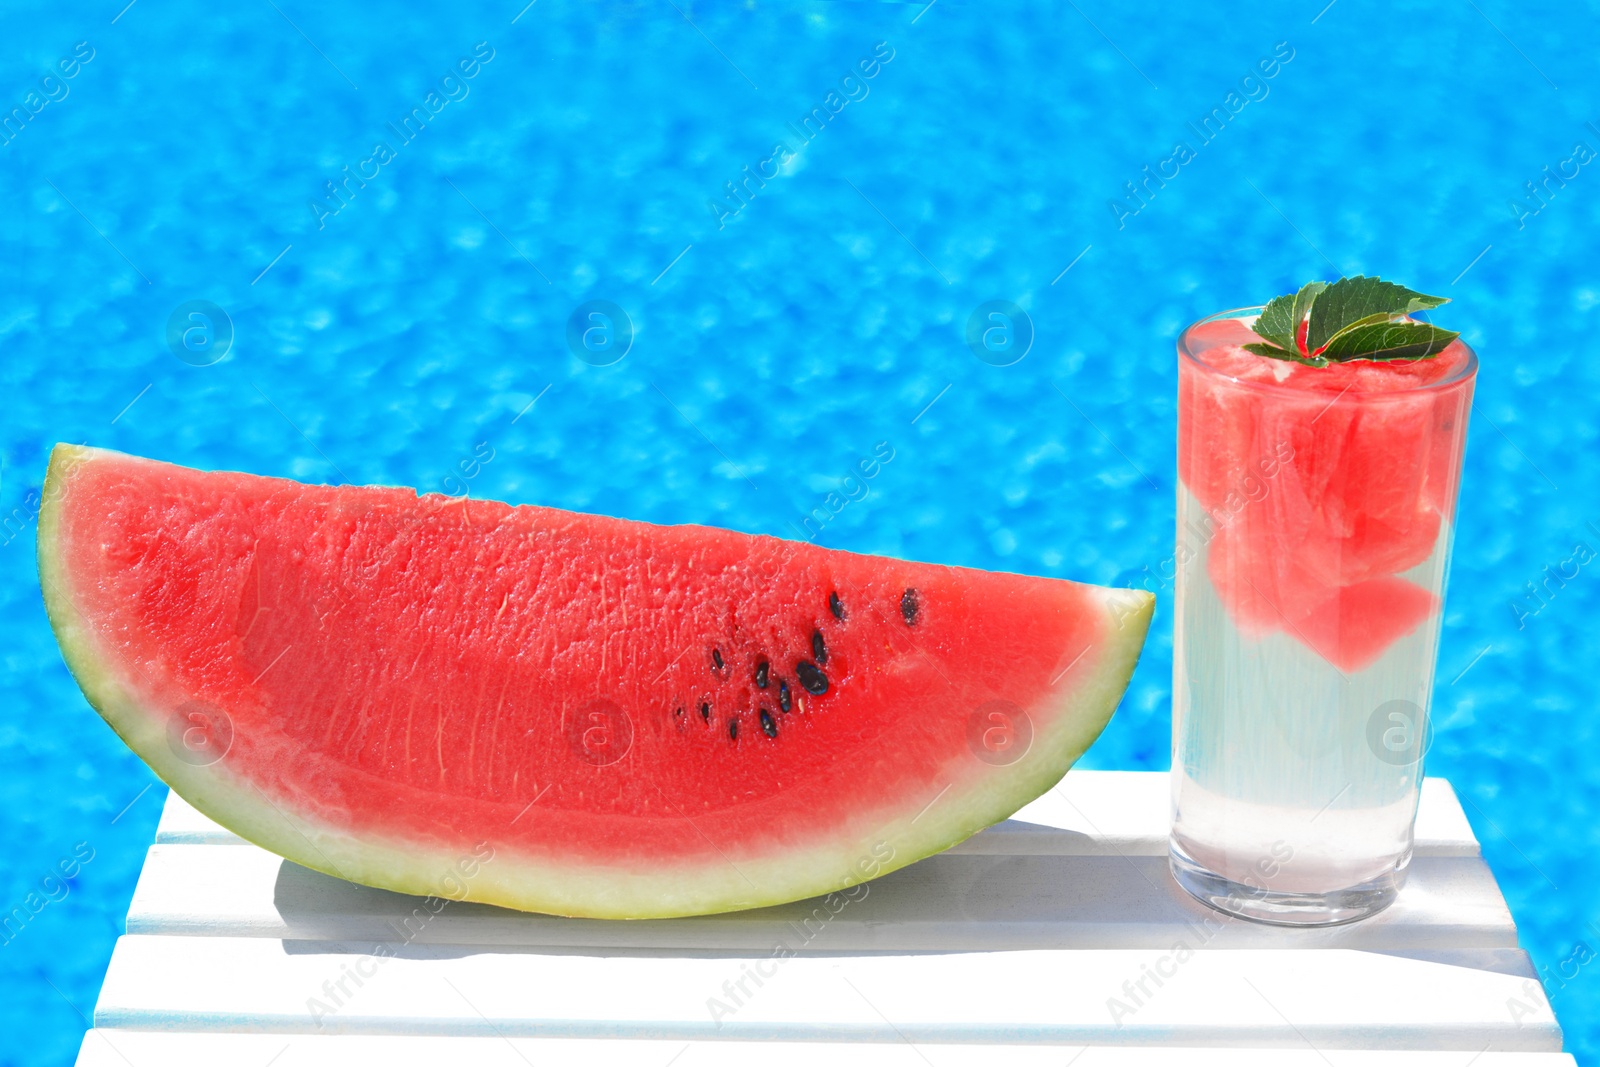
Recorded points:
(1057, 934)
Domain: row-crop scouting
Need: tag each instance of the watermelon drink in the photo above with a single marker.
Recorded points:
(1315, 512)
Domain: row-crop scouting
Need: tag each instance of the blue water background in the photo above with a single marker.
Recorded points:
(390, 342)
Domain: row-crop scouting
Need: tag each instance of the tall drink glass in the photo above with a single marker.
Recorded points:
(1315, 513)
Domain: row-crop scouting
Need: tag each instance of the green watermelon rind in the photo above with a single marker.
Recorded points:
(878, 842)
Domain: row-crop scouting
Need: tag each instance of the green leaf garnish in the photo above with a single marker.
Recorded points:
(1280, 320)
(1302, 303)
(1353, 318)
(1359, 300)
(1277, 322)
(1275, 352)
(1388, 340)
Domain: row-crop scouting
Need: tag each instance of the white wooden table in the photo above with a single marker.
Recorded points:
(1028, 944)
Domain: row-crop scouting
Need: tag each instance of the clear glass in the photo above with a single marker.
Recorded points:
(1315, 513)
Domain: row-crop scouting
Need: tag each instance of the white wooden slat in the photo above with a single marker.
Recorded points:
(945, 902)
(182, 824)
(119, 1048)
(1331, 998)
(1089, 813)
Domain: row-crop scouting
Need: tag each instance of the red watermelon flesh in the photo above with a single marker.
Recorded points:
(627, 720)
(1353, 626)
(1322, 482)
(1450, 410)
(1216, 465)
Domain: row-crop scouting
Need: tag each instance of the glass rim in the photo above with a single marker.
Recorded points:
(1467, 372)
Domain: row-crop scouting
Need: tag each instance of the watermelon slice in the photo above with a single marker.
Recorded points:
(558, 712)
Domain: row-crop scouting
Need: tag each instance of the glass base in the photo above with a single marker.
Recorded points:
(1334, 908)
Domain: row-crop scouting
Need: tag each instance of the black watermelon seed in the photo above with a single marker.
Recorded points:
(814, 681)
(678, 712)
(768, 726)
(761, 674)
(705, 712)
(908, 606)
(818, 649)
(716, 657)
(733, 730)
(836, 607)
(783, 696)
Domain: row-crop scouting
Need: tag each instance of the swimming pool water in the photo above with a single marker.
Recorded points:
(797, 247)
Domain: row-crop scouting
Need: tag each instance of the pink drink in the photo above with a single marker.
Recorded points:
(1315, 514)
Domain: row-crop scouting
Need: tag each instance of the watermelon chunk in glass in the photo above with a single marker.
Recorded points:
(1322, 484)
(1355, 625)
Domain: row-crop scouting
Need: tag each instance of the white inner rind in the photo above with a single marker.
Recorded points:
(970, 797)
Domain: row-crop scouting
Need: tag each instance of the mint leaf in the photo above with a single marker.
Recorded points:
(1277, 322)
(1274, 352)
(1353, 318)
(1360, 300)
(1280, 320)
(1384, 340)
(1302, 306)
(1368, 321)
